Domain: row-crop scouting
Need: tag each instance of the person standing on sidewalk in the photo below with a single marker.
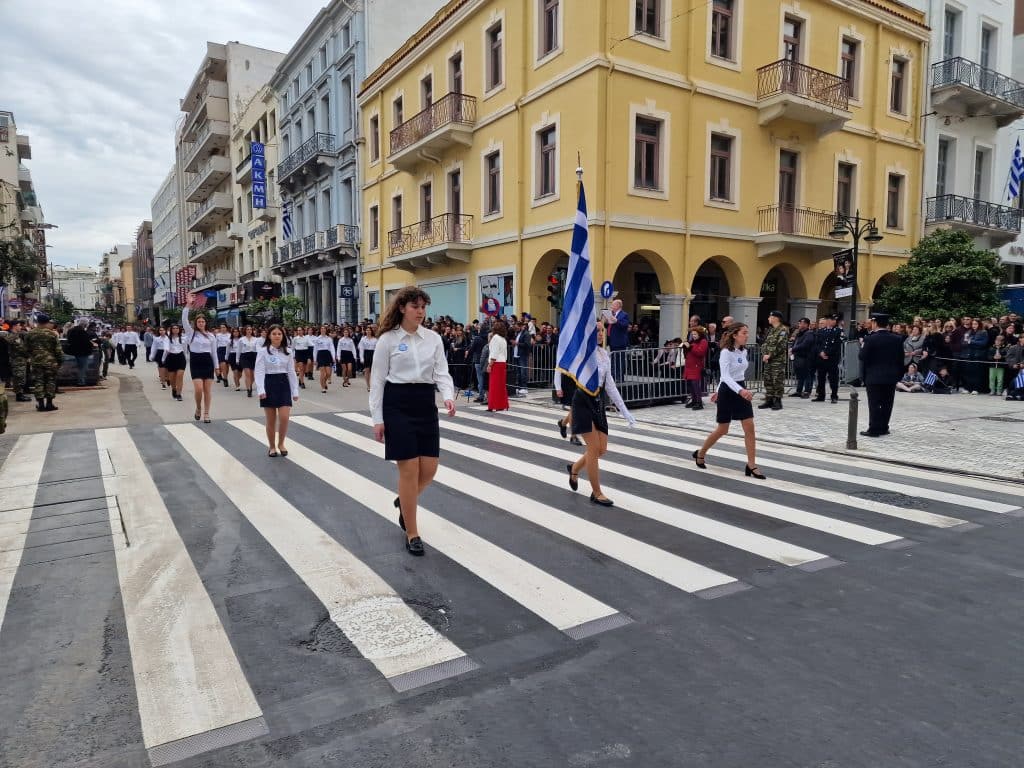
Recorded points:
(522, 348)
(774, 351)
(695, 353)
(147, 341)
(828, 351)
(497, 368)
(881, 360)
(802, 354)
(19, 361)
(45, 355)
(81, 347)
(618, 339)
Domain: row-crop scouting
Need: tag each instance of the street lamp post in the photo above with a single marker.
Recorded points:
(857, 227)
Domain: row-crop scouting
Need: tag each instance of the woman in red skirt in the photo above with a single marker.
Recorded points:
(497, 367)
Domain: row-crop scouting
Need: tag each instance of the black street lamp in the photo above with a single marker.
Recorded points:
(858, 227)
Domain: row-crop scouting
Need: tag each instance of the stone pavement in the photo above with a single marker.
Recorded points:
(975, 434)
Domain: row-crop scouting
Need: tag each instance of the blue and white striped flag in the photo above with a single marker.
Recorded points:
(1018, 383)
(577, 338)
(286, 220)
(930, 379)
(1016, 172)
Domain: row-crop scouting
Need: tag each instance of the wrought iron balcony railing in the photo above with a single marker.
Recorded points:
(309, 243)
(961, 71)
(446, 228)
(317, 144)
(790, 220)
(967, 210)
(785, 76)
(342, 234)
(453, 108)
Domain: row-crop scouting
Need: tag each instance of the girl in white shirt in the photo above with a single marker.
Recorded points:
(247, 347)
(303, 354)
(202, 359)
(497, 367)
(366, 348)
(277, 387)
(223, 336)
(174, 360)
(590, 421)
(323, 353)
(733, 398)
(157, 350)
(346, 356)
(409, 361)
(234, 357)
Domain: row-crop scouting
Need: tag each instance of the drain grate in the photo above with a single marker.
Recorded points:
(896, 499)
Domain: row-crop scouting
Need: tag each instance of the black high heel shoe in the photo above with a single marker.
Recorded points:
(563, 429)
(699, 460)
(753, 472)
(574, 479)
(602, 502)
(401, 518)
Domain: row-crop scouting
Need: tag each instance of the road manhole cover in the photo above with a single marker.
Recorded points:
(437, 616)
(896, 499)
(1001, 418)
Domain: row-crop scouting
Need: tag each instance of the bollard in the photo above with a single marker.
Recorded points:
(851, 422)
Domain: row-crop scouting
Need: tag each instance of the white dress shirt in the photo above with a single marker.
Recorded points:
(366, 344)
(175, 345)
(222, 339)
(497, 349)
(301, 343)
(604, 380)
(345, 344)
(199, 342)
(159, 345)
(117, 339)
(248, 344)
(270, 360)
(130, 338)
(232, 348)
(408, 358)
(732, 367)
(323, 344)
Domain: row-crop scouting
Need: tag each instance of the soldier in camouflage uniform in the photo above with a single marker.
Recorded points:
(45, 355)
(774, 351)
(19, 361)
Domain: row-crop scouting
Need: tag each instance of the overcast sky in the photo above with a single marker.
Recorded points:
(96, 87)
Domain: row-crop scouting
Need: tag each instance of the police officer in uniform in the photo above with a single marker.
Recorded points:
(45, 355)
(828, 352)
(19, 361)
(774, 350)
(881, 359)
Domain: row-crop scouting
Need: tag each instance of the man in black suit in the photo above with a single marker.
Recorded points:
(881, 362)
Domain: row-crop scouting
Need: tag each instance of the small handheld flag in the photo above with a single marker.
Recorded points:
(1018, 383)
(930, 379)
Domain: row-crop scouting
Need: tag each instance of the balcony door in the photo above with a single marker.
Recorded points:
(455, 204)
(787, 191)
(792, 34)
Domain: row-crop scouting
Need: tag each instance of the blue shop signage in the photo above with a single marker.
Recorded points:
(259, 174)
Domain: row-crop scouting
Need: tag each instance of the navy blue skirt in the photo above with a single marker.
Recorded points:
(279, 391)
(200, 365)
(732, 407)
(411, 425)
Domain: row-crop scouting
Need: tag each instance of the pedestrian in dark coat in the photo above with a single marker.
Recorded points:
(881, 358)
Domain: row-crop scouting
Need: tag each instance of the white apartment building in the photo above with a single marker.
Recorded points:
(228, 77)
(76, 284)
(167, 250)
(972, 98)
(109, 289)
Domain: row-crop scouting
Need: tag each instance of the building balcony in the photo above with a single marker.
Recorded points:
(236, 231)
(24, 147)
(342, 236)
(24, 178)
(243, 171)
(446, 123)
(315, 155)
(441, 240)
(212, 104)
(211, 139)
(802, 229)
(207, 178)
(213, 211)
(214, 278)
(1000, 223)
(271, 212)
(965, 88)
(216, 245)
(788, 90)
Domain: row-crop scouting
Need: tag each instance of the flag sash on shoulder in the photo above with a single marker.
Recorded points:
(577, 339)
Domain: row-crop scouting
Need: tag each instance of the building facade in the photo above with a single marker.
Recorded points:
(110, 296)
(142, 271)
(124, 289)
(167, 232)
(717, 147)
(1012, 254)
(227, 79)
(75, 284)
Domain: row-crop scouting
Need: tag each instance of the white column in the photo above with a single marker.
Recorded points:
(803, 308)
(744, 310)
(864, 309)
(672, 319)
(325, 299)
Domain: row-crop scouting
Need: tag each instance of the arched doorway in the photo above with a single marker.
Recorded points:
(883, 282)
(638, 284)
(781, 284)
(536, 299)
(715, 281)
(830, 305)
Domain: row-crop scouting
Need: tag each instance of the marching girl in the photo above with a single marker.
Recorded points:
(234, 363)
(590, 421)
(409, 363)
(277, 386)
(156, 355)
(247, 346)
(366, 348)
(346, 356)
(223, 338)
(202, 360)
(174, 360)
(311, 359)
(323, 354)
(302, 348)
(733, 398)
(497, 364)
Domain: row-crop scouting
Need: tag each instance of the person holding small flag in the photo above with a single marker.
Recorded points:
(1015, 370)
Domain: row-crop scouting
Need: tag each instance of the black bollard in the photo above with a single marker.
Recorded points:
(851, 422)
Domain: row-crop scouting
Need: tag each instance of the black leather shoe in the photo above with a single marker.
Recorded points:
(777, 404)
(834, 400)
(575, 440)
(793, 394)
(602, 502)
(818, 400)
(574, 481)
(869, 433)
(401, 518)
(415, 546)
(564, 430)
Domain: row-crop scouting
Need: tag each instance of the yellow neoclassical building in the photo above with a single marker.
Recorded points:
(718, 140)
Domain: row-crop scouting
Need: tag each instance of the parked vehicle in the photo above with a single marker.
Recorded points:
(68, 371)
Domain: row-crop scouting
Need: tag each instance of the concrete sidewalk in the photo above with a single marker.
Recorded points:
(976, 434)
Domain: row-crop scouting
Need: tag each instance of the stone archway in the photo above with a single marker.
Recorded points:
(716, 281)
(639, 279)
(536, 294)
(830, 305)
(883, 282)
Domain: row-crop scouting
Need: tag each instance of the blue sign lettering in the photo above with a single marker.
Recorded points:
(258, 161)
(259, 175)
(259, 201)
(259, 189)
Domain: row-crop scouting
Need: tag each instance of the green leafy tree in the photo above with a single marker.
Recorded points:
(18, 266)
(61, 310)
(289, 310)
(946, 276)
(170, 315)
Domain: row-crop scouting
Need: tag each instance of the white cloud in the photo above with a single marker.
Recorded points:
(96, 87)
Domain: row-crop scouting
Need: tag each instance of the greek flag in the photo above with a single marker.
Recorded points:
(286, 220)
(1016, 172)
(1018, 383)
(577, 340)
(930, 379)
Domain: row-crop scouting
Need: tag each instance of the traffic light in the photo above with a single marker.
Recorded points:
(554, 291)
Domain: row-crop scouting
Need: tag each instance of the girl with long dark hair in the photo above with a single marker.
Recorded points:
(202, 360)
(303, 353)
(497, 367)
(223, 339)
(346, 356)
(323, 353)
(409, 362)
(248, 346)
(157, 352)
(174, 360)
(367, 346)
(277, 386)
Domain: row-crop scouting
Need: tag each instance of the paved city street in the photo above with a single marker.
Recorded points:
(176, 595)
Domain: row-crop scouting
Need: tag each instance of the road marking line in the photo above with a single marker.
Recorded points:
(19, 481)
(188, 679)
(386, 631)
(673, 570)
(836, 497)
(560, 604)
(731, 535)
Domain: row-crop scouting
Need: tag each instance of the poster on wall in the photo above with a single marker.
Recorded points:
(501, 288)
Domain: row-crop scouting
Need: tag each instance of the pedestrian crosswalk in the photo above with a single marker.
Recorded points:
(202, 522)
